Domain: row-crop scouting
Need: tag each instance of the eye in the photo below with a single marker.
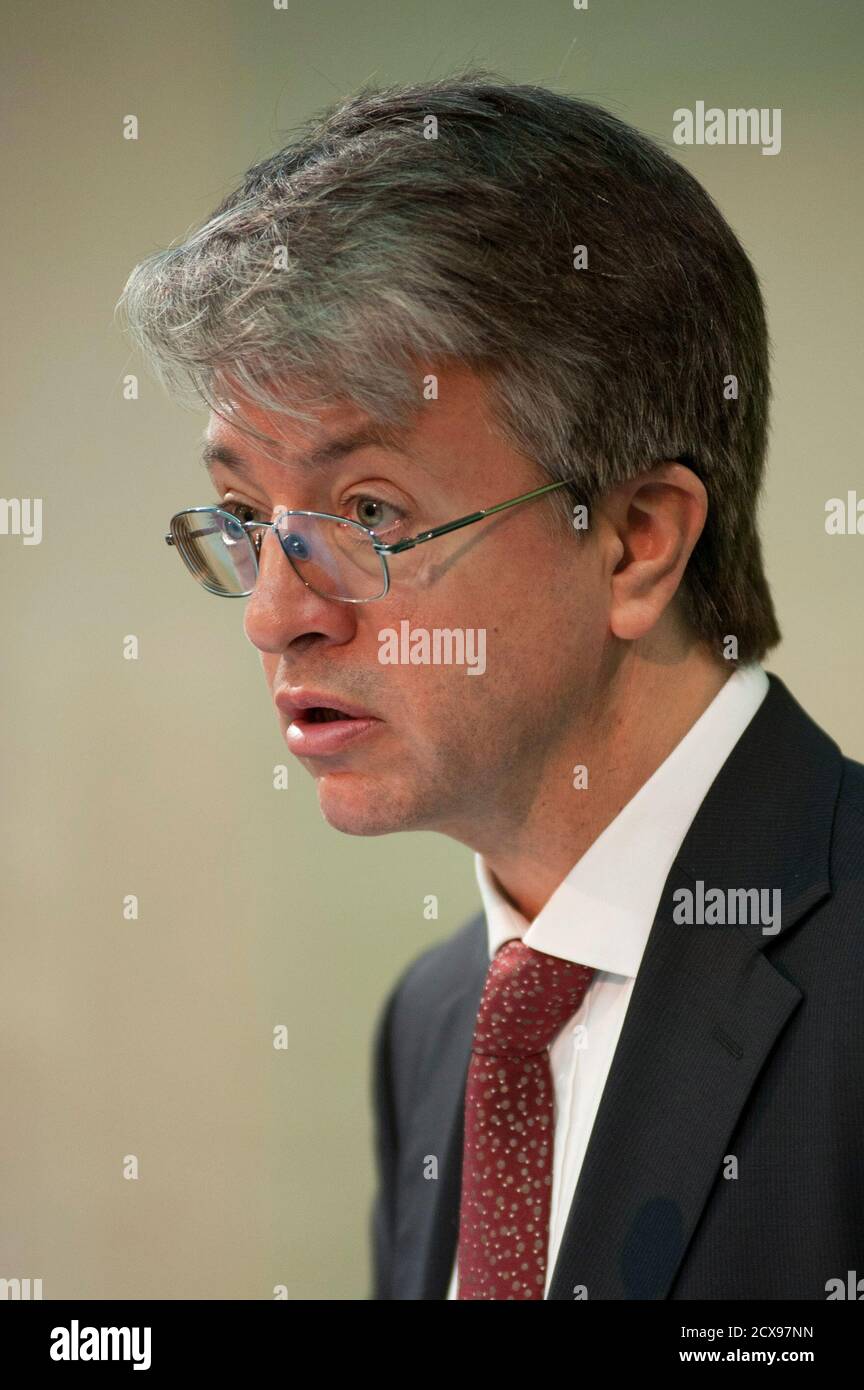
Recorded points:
(371, 512)
(242, 510)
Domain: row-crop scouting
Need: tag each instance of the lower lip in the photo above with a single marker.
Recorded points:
(310, 737)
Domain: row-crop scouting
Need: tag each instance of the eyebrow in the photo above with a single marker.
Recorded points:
(328, 452)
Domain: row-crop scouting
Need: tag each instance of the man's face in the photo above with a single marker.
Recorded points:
(447, 750)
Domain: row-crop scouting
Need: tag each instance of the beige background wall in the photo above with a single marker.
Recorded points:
(153, 1037)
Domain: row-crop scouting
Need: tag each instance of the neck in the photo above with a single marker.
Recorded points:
(631, 727)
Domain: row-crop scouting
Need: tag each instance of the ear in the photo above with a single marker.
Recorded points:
(651, 524)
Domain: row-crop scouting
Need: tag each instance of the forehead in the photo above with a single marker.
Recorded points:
(451, 434)
(241, 420)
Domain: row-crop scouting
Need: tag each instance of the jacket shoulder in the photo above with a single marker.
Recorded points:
(851, 797)
(847, 856)
(415, 1003)
(440, 971)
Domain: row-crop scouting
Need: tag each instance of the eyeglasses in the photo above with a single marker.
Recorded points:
(334, 556)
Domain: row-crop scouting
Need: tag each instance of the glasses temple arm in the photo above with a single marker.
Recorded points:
(461, 521)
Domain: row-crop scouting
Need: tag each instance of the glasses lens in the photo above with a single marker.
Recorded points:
(217, 550)
(335, 558)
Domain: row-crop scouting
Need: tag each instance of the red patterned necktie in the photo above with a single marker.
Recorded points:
(510, 1122)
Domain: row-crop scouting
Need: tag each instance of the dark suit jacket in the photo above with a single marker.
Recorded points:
(735, 1042)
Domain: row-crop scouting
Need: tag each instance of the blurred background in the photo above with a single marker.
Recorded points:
(152, 777)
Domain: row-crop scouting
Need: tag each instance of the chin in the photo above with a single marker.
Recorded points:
(355, 805)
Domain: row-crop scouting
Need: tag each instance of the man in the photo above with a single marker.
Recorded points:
(636, 1075)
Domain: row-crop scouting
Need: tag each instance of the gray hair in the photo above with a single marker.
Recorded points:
(439, 221)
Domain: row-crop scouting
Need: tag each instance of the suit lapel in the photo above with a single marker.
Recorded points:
(429, 1229)
(441, 1232)
(706, 1009)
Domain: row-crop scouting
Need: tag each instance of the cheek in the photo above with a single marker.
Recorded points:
(548, 634)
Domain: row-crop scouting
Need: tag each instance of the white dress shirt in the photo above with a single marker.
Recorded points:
(601, 915)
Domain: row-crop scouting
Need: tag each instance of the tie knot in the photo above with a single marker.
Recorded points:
(528, 997)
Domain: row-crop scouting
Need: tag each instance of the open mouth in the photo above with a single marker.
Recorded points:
(322, 714)
(307, 736)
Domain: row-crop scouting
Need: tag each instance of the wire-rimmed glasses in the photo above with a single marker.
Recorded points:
(333, 555)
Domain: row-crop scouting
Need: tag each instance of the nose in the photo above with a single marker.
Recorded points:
(282, 609)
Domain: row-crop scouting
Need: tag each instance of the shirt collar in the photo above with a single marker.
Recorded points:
(602, 912)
